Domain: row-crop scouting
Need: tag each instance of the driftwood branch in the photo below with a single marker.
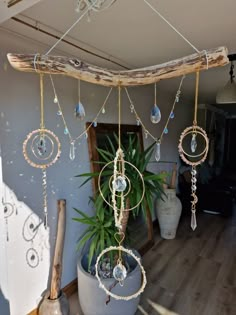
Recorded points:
(78, 69)
(55, 289)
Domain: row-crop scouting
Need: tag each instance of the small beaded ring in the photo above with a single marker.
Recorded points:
(102, 286)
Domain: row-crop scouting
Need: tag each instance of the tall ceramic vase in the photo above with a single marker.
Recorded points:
(168, 213)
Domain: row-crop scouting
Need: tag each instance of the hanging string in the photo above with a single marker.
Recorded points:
(79, 91)
(155, 96)
(196, 99)
(174, 28)
(42, 126)
(119, 115)
(72, 26)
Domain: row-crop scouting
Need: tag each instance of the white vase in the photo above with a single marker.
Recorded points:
(168, 213)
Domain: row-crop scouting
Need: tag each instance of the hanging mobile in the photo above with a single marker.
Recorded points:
(120, 186)
(42, 149)
(194, 158)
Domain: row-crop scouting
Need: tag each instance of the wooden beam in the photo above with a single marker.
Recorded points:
(78, 69)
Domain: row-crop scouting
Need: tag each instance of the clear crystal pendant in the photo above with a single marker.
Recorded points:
(119, 184)
(103, 110)
(55, 100)
(120, 272)
(41, 146)
(158, 152)
(194, 143)
(172, 115)
(155, 114)
(193, 221)
(79, 111)
(72, 150)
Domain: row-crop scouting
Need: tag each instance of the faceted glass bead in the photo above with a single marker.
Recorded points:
(155, 114)
(41, 146)
(177, 99)
(103, 110)
(95, 124)
(59, 113)
(194, 172)
(138, 122)
(172, 115)
(193, 221)
(119, 184)
(166, 131)
(158, 152)
(66, 131)
(55, 100)
(120, 272)
(72, 150)
(193, 143)
(79, 111)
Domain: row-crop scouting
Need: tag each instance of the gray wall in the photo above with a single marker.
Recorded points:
(20, 114)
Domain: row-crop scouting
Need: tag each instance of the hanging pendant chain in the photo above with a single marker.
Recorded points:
(42, 126)
(79, 91)
(159, 139)
(196, 99)
(63, 117)
(155, 94)
(119, 115)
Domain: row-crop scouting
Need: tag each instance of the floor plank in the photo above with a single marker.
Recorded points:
(195, 274)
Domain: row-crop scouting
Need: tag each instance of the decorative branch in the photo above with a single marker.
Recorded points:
(78, 69)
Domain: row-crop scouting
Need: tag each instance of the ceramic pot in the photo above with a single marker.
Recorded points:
(168, 213)
(58, 306)
(93, 299)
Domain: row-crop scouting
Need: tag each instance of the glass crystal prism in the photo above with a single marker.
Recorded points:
(119, 184)
(166, 131)
(193, 221)
(79, 111)
(120, 272)
(72, 150)
(158, 152)
(41, 146)
(194, 143)
(155, 114)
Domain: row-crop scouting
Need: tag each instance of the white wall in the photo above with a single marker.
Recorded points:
(20, 114)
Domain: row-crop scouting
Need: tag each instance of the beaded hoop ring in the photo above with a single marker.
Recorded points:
(185, 157)
(183, 154)
(100, 189)
(32, 136)
(102, 286)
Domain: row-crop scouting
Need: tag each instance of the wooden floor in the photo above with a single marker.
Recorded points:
(195, 274)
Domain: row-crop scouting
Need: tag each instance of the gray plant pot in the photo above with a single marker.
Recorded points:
(93, 299)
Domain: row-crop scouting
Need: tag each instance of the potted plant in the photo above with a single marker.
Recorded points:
(99, 234)
(100, 231)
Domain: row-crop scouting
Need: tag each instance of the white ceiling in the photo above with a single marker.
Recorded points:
(132, 34)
